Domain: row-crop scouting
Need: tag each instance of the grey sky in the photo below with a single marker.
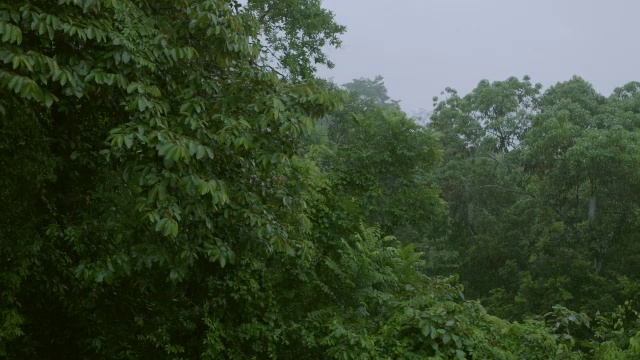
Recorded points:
(423, 46)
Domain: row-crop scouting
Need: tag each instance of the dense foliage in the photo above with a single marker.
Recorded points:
(542, 189)
(177, 184)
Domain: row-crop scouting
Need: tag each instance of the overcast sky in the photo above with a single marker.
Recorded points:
(423, 46)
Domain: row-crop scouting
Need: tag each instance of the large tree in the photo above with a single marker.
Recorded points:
(143, 145)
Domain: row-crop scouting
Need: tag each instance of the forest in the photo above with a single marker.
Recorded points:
(177, 182)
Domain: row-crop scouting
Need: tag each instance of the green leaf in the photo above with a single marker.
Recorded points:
(128, 141)
(10, 33)
(200, 152)
(174, 275)
(151, 195)
(203, 187)
(174, 228)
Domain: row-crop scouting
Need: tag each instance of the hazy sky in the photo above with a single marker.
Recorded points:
(423, 46)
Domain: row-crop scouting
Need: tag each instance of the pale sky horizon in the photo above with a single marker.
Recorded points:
(421, 47)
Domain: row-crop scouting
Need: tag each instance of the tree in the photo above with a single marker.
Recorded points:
(197, 135)
(372, 90)
(293, 34)
(380, 160)
(480, 176)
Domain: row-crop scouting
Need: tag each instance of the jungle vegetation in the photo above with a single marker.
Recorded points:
(177, 183)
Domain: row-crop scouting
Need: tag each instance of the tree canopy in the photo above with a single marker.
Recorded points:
(177, 183)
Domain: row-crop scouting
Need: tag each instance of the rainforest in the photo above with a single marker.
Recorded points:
(177, 182)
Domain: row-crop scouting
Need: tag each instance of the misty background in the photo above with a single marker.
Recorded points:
(421, 47)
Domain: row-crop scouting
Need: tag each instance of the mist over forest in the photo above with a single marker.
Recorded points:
(178, 181)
